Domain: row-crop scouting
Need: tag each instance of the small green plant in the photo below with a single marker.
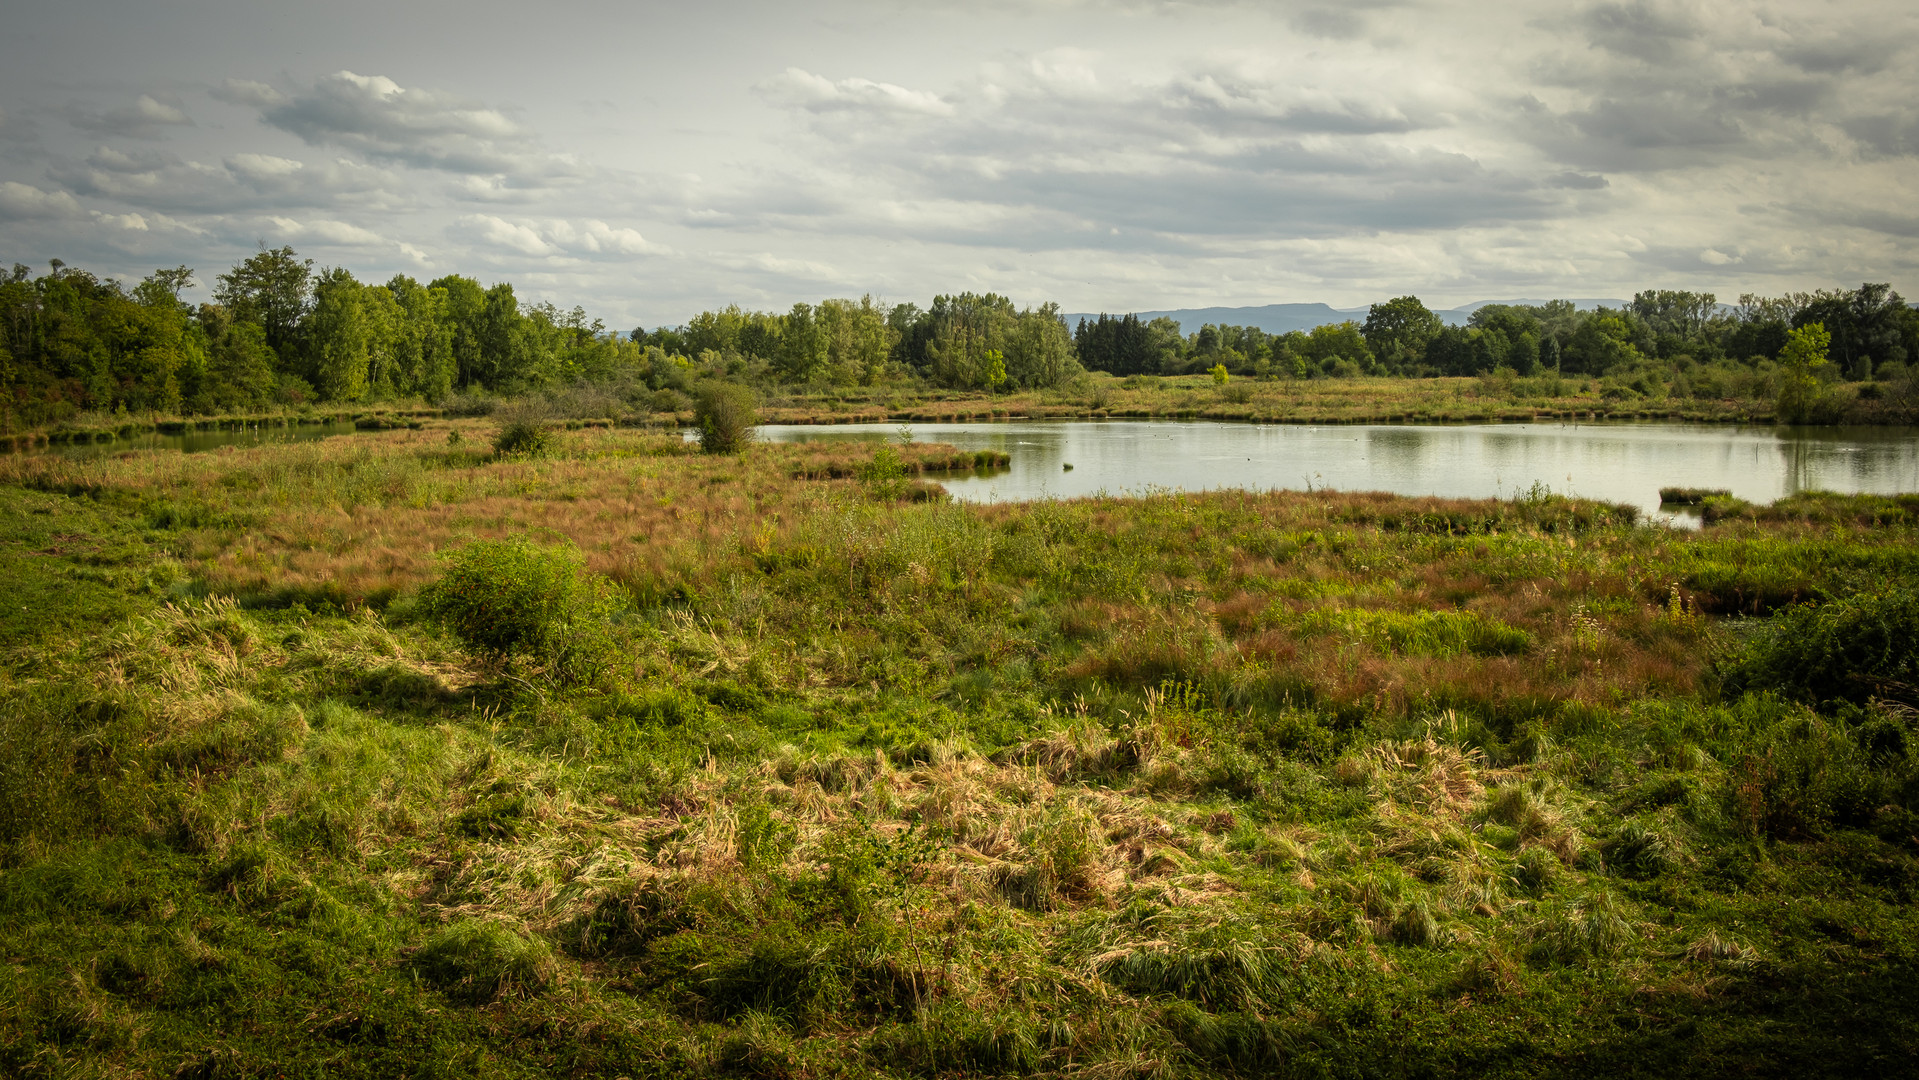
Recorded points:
(1219, 373)
(726, 414)
(885, 476)
(511, 598)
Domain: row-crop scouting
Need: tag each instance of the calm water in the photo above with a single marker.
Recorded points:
(196, 441)
(1625, 463)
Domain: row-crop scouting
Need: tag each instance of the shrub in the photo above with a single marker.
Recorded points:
(523, 429)
(477, 961)
(1852, 649)
(522, 437)
(726, 414)
(511, 598)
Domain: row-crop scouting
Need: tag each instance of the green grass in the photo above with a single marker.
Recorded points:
(1308, 784)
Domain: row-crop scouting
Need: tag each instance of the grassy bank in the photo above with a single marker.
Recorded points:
(862, 782)
(1095, 395)
(1321, 401)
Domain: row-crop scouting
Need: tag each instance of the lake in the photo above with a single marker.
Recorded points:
(1623, 462)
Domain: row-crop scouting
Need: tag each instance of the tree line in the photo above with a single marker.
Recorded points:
(1875, 334)
(278, 332)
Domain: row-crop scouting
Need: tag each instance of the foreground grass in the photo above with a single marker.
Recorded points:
(1314, 784)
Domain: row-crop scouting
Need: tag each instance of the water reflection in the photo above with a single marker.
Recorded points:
(1626, 463)
(196, 441)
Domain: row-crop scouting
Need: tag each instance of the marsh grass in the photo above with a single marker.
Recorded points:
(1178, 785)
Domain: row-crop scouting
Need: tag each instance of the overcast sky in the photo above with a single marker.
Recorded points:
(651, 160)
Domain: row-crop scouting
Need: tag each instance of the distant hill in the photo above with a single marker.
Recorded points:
(1282, 318)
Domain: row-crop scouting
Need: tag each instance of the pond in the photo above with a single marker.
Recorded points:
(1622, 462)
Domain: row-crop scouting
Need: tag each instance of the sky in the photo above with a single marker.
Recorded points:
(649, 161)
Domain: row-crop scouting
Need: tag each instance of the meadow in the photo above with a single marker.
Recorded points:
(393, 755)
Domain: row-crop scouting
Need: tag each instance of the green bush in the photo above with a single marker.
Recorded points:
(1852, 649)
(726, 414)
(511, 598)
(526, 437)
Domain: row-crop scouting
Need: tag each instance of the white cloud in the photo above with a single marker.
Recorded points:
(506, 234)
(817, 93)
(247, 92)
(327, 232)
(24, 201)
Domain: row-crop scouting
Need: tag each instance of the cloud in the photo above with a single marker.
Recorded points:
(816, 93)
(139, 120)
(1048, 153)
(245, 181)
(130, 161)
(501, 233)
(247, 92)
(20, 202)
(327, 232)
(376, 117)
(557, 237)
(1640, 30)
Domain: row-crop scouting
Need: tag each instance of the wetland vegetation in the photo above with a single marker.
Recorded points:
(593, 754)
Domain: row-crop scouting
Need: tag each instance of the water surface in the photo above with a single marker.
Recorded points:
(192, 442)
(1617, 462)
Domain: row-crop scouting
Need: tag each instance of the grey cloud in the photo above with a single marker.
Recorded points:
(242, 182)
(130, 161)
(142, 119)
(1886, 134)
(1336, 21)
(384, 121)
(1640, 30)
(1860, 53)
(1176, 166)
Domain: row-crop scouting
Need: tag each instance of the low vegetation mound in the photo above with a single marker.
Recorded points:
(516, 599)
(1854, 648)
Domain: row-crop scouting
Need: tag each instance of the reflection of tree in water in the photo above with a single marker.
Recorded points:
(1404, 449)
(1872, 459)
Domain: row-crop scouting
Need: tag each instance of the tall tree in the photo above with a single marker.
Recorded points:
(270, 289)
(1398, 330)
(339, 336)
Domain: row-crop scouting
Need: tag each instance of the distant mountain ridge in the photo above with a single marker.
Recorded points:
(1284, 318)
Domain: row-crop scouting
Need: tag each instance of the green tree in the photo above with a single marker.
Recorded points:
(803, 346)
(270, 289)
(462, 314)
(1801, 359)
(339, 335)
(1039, 349)
(1398, 330)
